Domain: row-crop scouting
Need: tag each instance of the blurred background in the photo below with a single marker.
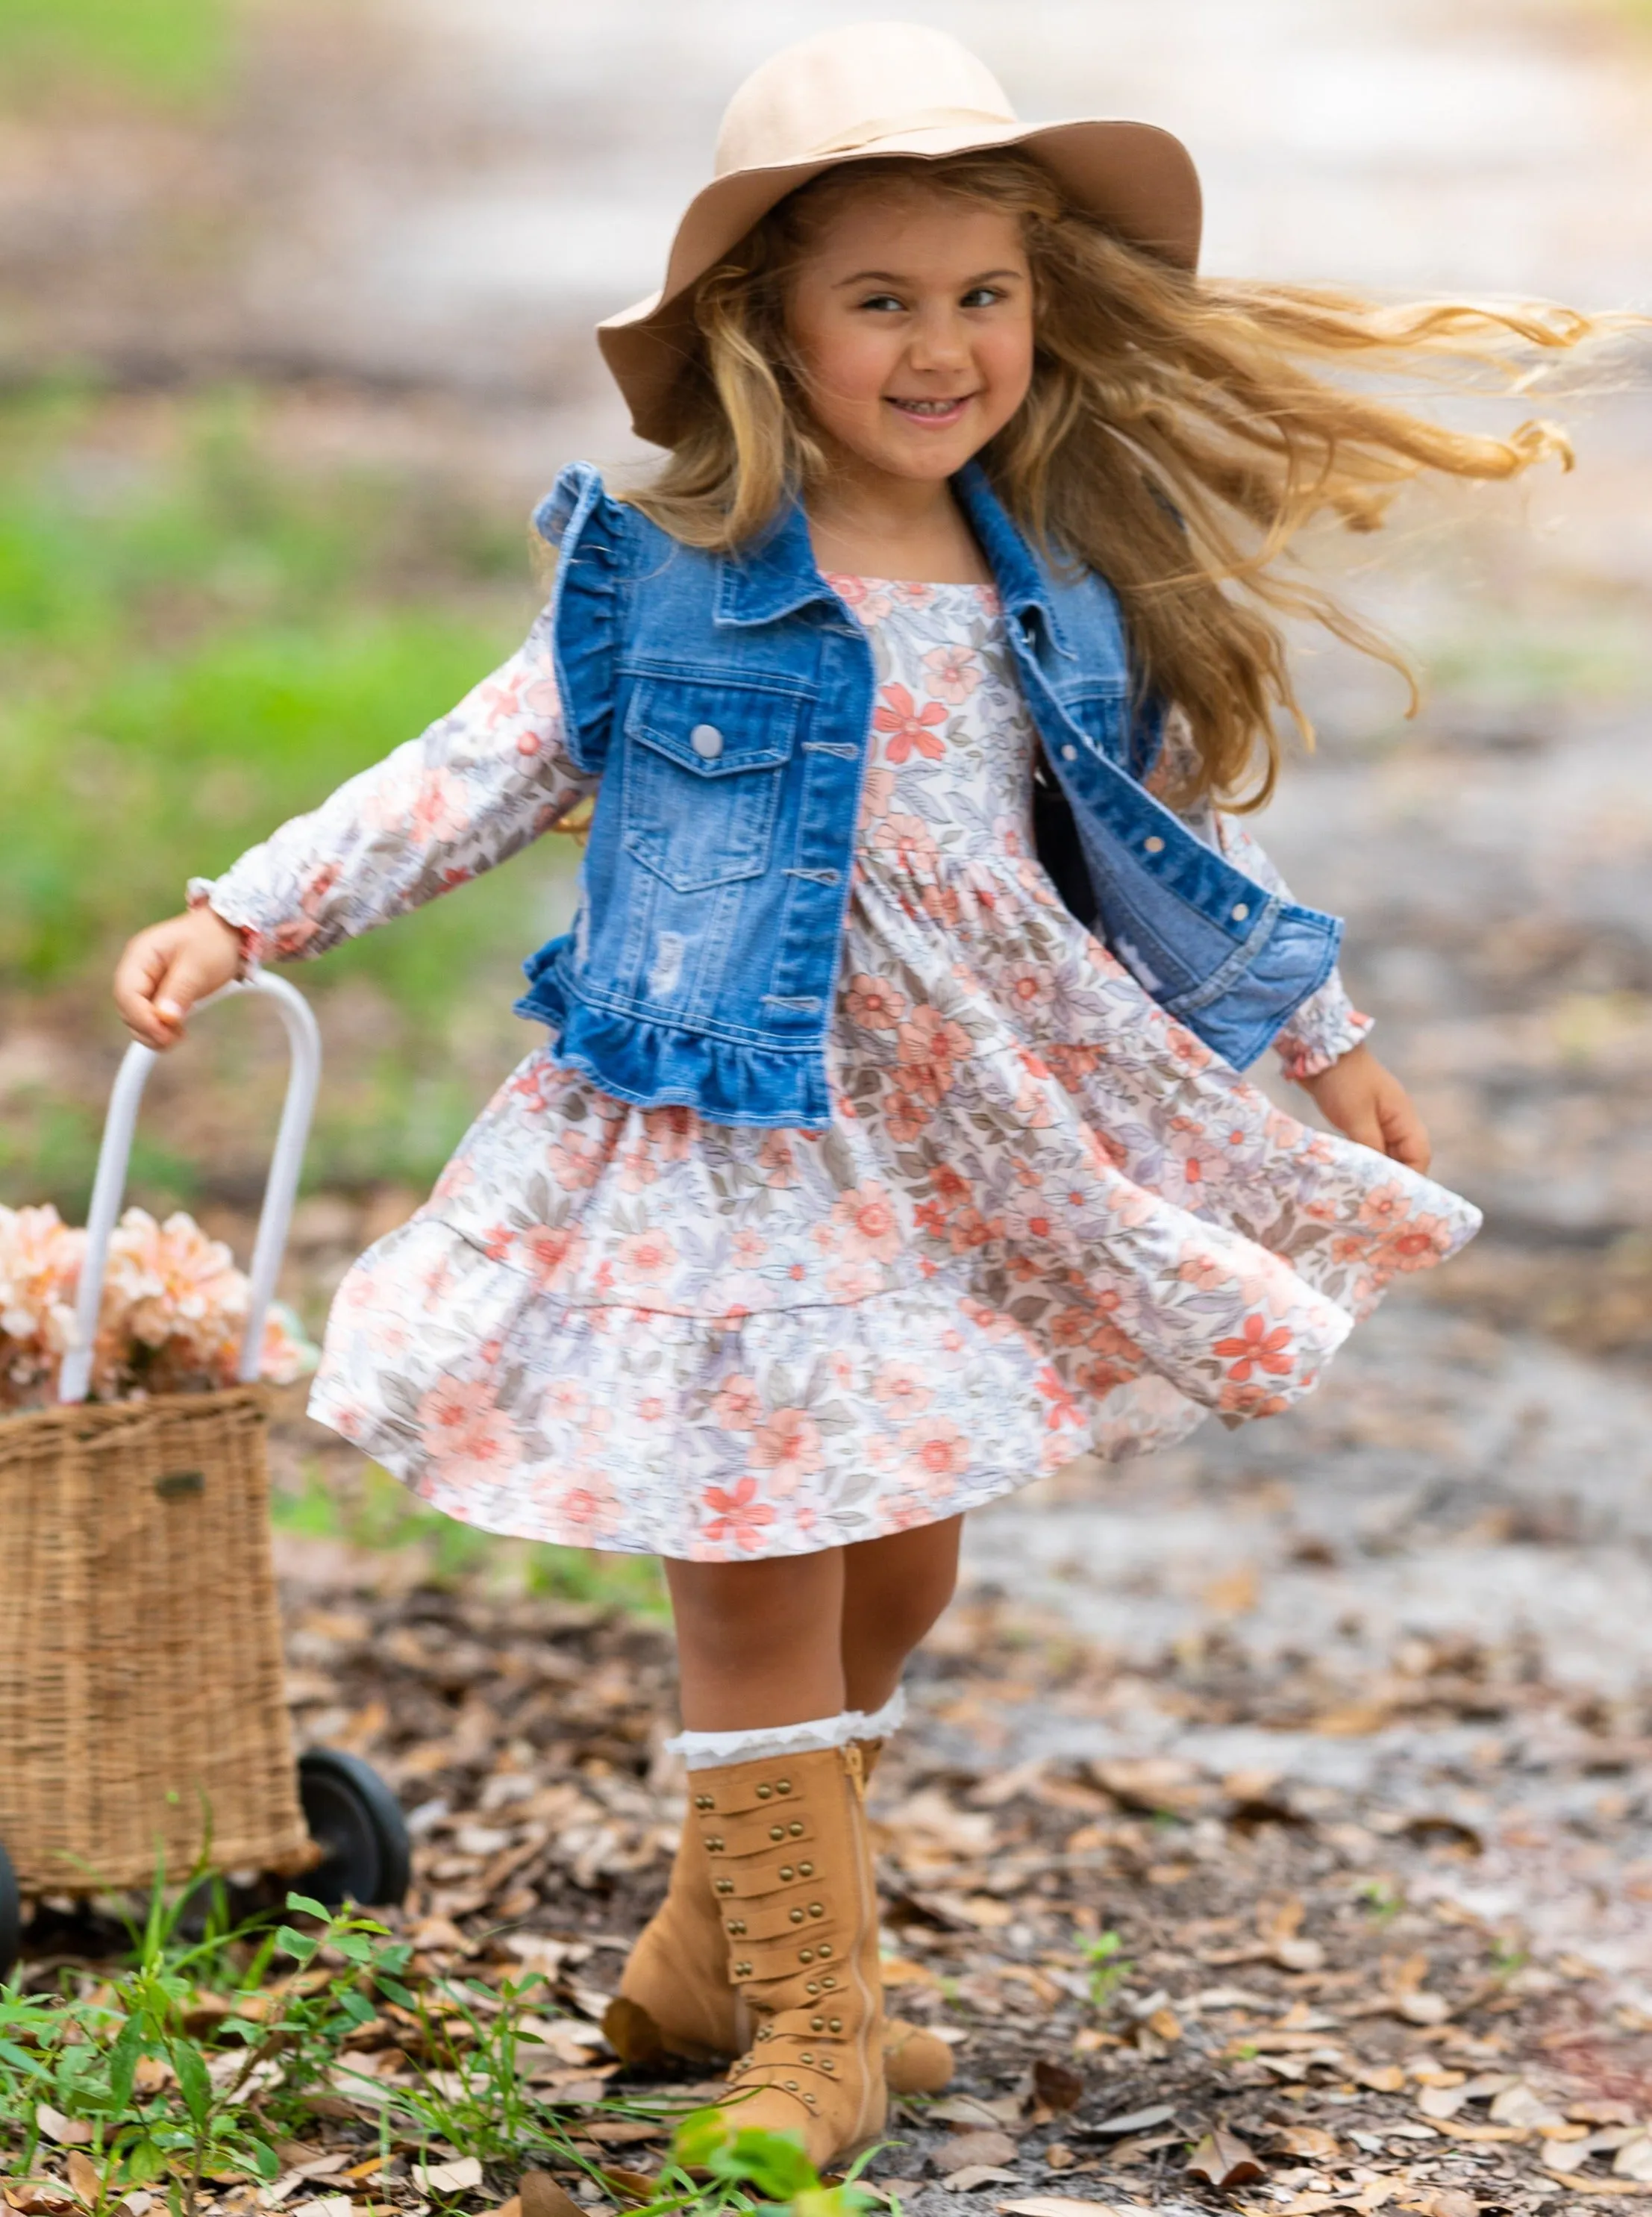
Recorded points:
(295, 299)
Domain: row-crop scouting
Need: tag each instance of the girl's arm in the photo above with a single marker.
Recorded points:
(480, 783)
(1328, 1025)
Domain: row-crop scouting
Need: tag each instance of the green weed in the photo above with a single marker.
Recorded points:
(1109, 1966)
(1381, 1899)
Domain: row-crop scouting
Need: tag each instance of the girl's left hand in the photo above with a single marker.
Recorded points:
(1368, 1103)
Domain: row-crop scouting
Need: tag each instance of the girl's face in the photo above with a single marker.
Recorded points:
(911, 323)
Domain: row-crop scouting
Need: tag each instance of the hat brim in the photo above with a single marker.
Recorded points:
(1138, 179)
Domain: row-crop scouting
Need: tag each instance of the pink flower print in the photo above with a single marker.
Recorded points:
(1063, 1410)
(1386, 1207)
(738, 1517)
(1029, 985)
(899, 1386)
(1200, 1270)
(637, 1168)
(438, 812)
(747, 1248)
(540, 695)
(854, 1281)
(1188, 1050)
(936, 1453)
(909, 842)
(862, 594)
(452, 1415)
(912, 594)
(552, 1251)
(566, 1401)
(874, 1003)
(969, 1230)
(904, 726)
(776, 1160)
(1256, 1348)
(789, 1445)
(954, 672)
(867, 1215)
(1250, 1400)
(502, 701)
(927, 1045)
(949, 1185)
(876, 791)
(904, 1117)
(574, 1161)
(646, 1256)
(738, 1405)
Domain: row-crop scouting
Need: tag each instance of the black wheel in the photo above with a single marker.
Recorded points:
(11, 1919)
(355, 1818)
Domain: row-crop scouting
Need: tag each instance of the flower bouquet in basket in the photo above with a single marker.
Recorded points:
(142, 1712)
(171, 1319)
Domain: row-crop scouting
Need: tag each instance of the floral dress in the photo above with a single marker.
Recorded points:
(1045, 1217)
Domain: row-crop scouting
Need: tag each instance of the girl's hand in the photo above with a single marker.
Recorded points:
(1369, 1104)
(167, 969)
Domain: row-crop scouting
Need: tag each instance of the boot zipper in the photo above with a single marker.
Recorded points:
(855, 1771)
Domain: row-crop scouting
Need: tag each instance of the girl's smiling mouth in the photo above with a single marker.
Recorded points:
(941, 412)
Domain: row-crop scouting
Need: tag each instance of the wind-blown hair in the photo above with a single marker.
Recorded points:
(1178, 433)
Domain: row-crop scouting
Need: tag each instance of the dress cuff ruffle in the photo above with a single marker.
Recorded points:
(202, 893)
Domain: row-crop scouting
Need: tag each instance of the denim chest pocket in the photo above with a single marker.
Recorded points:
(704, 761)
(1102, 714)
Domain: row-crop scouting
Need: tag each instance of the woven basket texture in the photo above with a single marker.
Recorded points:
(141, 1698)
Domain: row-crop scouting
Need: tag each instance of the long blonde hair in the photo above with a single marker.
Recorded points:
(1178, 434)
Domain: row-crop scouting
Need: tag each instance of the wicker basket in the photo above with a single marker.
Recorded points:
(142, 1715)
(141, 1706)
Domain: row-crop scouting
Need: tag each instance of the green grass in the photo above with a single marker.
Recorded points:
(198, 639)
(177, 51)
(376, 1511)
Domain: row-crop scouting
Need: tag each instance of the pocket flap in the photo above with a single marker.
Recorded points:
(712, 727)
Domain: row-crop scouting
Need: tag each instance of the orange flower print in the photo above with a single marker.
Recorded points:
(1256, 1348)
(871, 1228)
(738, 1518)
(738, 1405)
(789, 1445)
(936, 1452)
(954, 672)
(877, 791)
(1029, 985)
(670, 1133)
(874, 1003)
(574, 1161)
(927, 1045)
(905, 727)
(775, 1157)
(458, 1423)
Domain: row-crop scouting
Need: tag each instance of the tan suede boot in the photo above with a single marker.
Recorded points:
(789, 1857)
(675, 1997)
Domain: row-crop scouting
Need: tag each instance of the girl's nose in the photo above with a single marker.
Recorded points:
(940, 342)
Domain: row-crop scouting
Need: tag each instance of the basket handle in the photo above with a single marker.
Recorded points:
(304, 1077)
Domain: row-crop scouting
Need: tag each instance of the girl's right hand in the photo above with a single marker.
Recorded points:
(167, 969)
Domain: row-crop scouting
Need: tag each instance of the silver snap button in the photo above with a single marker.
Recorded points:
(1154, 845)
(1069, 754)
(706, 741)
(1241, 910)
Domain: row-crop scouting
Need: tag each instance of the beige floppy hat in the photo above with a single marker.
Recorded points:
(865, 89)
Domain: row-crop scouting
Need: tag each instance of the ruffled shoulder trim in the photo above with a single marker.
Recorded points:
(592, 533)
(655, 1066)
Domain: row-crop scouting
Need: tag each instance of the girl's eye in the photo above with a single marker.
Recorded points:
(983, 296)
(882, 300)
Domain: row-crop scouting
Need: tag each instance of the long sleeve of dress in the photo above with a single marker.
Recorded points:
(1326, 1025)
(482, 782)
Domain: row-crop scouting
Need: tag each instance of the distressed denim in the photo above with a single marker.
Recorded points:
(725, 702)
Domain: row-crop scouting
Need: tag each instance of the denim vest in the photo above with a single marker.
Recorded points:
(726, 701)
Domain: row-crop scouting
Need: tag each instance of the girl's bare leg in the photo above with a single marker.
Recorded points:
(893, 1590)
(758, 1643)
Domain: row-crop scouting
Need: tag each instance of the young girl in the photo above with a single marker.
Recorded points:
(889, 1146)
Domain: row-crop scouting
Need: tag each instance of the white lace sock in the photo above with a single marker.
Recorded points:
(710, 1751)
(878, 1724)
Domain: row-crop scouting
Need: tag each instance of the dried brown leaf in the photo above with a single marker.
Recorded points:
(64, 2131)
(541, 2196)
(1057, 2085)
(966, 2150)
(1634, 2160)
(1223, 2160)
(1310, 2140)
(979, 2174)
(84, 2176)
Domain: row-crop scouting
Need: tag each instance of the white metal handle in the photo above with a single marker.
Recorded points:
(304, 1077)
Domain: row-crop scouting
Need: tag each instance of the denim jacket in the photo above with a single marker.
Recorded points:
(725, 703)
